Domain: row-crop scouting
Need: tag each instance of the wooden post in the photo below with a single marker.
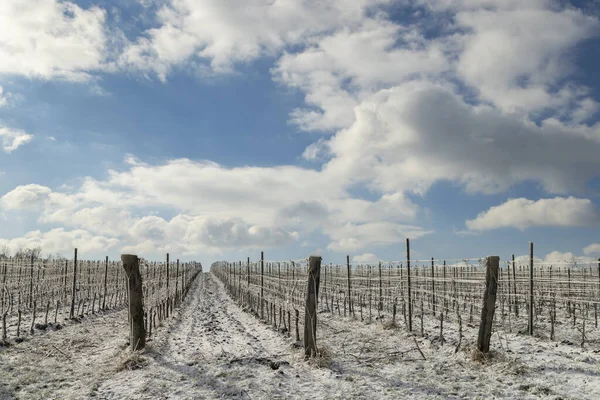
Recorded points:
(380, 305)
(262, 273)
(489, 304)
(515, 286)
(31, 283)
(530, 326)
(105, 282)
(444, 308)
(349, 292)
(137, 332)
(408, 285)
(72, 314)
(433, 286)
(310, 312)
(177, 280)
(248, 271)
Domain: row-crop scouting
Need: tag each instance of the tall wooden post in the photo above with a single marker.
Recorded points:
(380, 305)
(105, 283)
(515, 286)
(72, 314)
(433, 285)
(137, 332)
(177, 280)
(262, 273)
(310, 312)
(349, 289)
(31, 283)
(489, 304)
(530, 288)
(408, 285)
(248, 271)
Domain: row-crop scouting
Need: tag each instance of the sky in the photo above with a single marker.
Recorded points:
(214, 129)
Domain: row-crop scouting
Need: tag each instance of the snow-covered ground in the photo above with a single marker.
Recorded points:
(212, 349)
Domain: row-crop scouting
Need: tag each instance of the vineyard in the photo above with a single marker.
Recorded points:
(437, 298)
(39, 295)
(395, 329)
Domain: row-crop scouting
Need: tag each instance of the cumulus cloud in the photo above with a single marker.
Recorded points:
(354, 237)
(366, 258)
(60, 240)
(25, 196)
(3, 97)
(12, 139)
(523, 213)
(593, 248)
(514, 55)
(430, 134)
(59, 40)
(221, 33)
(240, 208)
(556, 258)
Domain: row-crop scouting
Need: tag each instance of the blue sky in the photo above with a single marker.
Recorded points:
(214, 129)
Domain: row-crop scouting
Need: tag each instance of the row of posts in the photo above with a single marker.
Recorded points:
(492, 264)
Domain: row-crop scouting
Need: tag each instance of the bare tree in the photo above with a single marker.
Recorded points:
(4, 252)
(26, 252)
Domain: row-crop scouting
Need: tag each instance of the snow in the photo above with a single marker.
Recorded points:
(212, 349)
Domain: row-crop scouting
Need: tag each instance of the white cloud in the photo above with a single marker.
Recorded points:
(430, 134)
(353, 237)
(3, 97)
(12, 139)
(593, 248)
(523, 213)
(54, 39)
(314, 151)
(515, 55)
(25, 197)
(342, 69)
(222, 33)
(556, 258)
(366, 258)
(61, 241)
(240, 207)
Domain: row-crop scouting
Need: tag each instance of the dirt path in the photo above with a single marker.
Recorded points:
(215, 350)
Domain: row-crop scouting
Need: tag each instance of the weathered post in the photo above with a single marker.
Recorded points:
(489, 304)
(262, 273)
(177, 282)
(167, 306)
(310, 312)
(515, 286)
(72, 314)
(433, 286)
(31, 283)
(380, 305)
(408, 285)
(105, 282)
(530, 326)
(137, 331)
(349, 292)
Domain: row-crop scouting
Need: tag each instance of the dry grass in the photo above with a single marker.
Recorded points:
(323, 359)
(131, 360)
(390, 325)
(483, 358)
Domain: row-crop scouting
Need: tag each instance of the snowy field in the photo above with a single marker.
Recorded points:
(212, 349)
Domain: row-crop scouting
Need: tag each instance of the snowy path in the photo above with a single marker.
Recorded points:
(211, 349)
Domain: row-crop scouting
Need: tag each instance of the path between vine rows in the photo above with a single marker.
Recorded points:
(211, 349)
